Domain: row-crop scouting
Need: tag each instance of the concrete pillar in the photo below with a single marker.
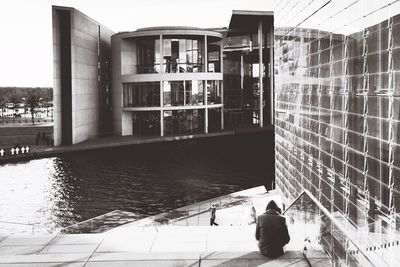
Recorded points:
(161, 87)
(161, 54)
(205, 85)
(261, 71)
(206, 108)
(222, 85)
(205, 54)
(162, 108)
(271, 73)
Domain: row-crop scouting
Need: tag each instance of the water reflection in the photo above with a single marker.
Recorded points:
(145, 180)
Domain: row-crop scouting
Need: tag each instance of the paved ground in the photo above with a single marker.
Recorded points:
(179, 238)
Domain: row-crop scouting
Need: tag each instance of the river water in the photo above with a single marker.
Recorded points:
(142, 179)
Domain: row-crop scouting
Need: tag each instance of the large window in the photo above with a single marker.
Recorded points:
(183, 93)
(183, 121)
(146, 94)
(214, 54)
(183, 54)
(214, 92)
(148, 53)
(146, 123)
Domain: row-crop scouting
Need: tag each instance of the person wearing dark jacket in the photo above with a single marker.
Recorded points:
(271, 231)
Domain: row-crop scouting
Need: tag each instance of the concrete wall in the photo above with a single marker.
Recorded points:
(90, 53)
(22, 135)
(116, 86)
(56, 79)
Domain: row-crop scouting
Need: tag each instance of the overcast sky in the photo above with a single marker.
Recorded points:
(26, 53)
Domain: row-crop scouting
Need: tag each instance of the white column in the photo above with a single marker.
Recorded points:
(205, 85)
(162, 108)
(161, 87)
(222, 85)
(271, 73)
(205, 54)
(206, 108)
(261, 71)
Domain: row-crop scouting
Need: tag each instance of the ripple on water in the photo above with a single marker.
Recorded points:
(146, 180)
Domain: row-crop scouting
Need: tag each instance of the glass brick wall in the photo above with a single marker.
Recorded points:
(337, 112)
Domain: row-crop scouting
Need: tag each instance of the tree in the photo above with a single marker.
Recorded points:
(15, 99)
(47, 98)
(3, 101)
(32, 100)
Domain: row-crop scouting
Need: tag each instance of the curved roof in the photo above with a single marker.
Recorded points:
(168, 30)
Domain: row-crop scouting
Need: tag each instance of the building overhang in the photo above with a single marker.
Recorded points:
(247, 21)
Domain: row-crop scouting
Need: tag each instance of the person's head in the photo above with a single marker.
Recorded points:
(273, 206)
(213, 206)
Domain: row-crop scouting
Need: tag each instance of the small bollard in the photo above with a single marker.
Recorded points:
(27, 149)
(12, 150)
(1, 152)
(22, 150)
(17, 150)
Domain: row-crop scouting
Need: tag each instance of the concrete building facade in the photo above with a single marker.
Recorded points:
(82, 89)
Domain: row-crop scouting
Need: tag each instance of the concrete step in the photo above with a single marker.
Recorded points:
(246, 258)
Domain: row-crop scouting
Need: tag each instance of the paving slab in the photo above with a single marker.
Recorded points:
(320, 262)
(78, 239)
(19, 250)
(134, 256)
(254, 262)
(45, 258)
(150, 263)
(61, 249)
(116, 242)
(26, 240)
(43, 264)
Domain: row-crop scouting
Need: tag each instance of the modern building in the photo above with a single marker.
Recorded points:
(167, 81)
(82, 77)
(160, 81)
(326, 79)
(337, 124)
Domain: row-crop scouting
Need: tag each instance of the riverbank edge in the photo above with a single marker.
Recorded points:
(115, 142)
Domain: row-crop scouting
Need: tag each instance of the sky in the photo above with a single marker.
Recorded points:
(26, 53)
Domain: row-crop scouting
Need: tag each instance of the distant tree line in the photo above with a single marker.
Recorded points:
(31, 97)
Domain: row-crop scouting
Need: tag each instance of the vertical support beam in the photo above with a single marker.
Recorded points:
(161, 108)
(206, 108)
(222, 84)
(205, 85)
(161, 87)
(272, 76)
(205, 54)
(261, 71)
(162, 70)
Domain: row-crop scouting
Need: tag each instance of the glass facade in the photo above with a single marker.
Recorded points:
(214, 54)
(183, 93)
(146, 94)
(183, 54)
(148, 55)
(242, 80)
(214, 92)
(146, 122)
(188, 121)
(337, 119)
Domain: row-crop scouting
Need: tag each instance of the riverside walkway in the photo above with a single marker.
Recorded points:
(180, 237)
(43, 151)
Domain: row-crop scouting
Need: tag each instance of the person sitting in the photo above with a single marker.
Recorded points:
(271, 231)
